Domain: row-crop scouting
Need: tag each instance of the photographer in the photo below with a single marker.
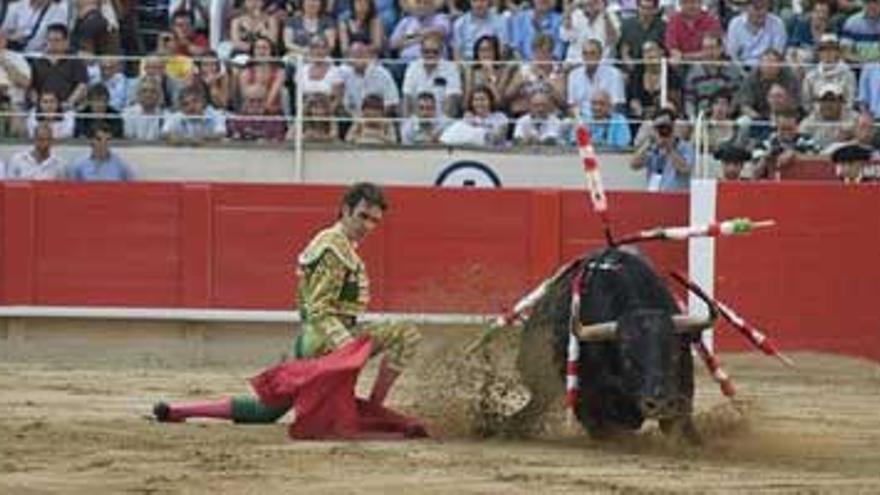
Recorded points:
(667, 159)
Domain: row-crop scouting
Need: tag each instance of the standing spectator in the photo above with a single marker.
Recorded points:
(752, 33)
(15, 79)
(488, 70)
(364, 26)
(593, 75)
(112, 78)
(646, 26)
(143, 120)
(542, 74)
(686, 29)
(265, 72)
(861, 34)
(195, 123)
(38, 163)
(434, 75)
(364, 76)
(56, 73)
(301, 29)
(588, 20)
(609, 129)
(527, 25)
(667, 159)
(248, 125)
(831, 70)
(371, 126)
(480, 22)
(211, 76)
(753, 97)
(781, 148)
(251, 24)
(424, 126)
(869, 89)
(715, 75)
(187, 40)
(482, 114)
(413, 30)
(646, 84)
(100, 164)
(48, 111)
(97, 111)
(27, 23)
(831, 120)
(540, 125)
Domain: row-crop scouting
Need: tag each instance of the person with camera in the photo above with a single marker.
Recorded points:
(667, 160)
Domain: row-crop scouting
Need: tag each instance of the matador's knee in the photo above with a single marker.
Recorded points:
(399, 342)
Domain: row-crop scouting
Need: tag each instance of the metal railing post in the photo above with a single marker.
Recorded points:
(664, 86)
(298, 173)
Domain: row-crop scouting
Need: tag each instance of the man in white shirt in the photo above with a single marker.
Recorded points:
(195, 123)
(540, 125)
(363, 76)
(434, 75)
(594, 74)
(39, 163)
(27, 20)
(143, 120)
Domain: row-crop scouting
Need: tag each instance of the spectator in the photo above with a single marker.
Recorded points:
(481, 114)
(177, 66)
(371, 127)
(413, 31)
(112, 78)
(214, 81)
(489, 69)
(707, 79)
(480, 22)
(542, 74)
(153, 67)
(320, 75)
(187, 41)
(424, 126)
(609, 129)
(861, 34)
(587, 20)
(143, 120)
(541, 125)
(38, 163)
(434, 75)
(782, 147)
(100, 164)
(265, 72)
(831, 120)
(869, 89)
(97, 111)
(364, 76)
(732, 160)
(195, 123)
(92, 29)
(364, 26)
(15, 79)
(755, 31)
(27, 23)
(646, 82)
(305, 26)
(56, 73)
(247, 124)
(319, 125)
(866, 134)
(527, 25)
(593, 75)
(724, 124)
(686, 29)
(646, 26)
(253, 23)
(667, 159)
(753, 98)
(831, 70)
(48, 111)
(197, 11)
(807, 31)
(850, 161)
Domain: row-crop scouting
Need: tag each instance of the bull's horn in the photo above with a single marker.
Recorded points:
(608, 330)
(686, 324)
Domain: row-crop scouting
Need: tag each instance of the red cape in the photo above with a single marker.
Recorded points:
(322, 393)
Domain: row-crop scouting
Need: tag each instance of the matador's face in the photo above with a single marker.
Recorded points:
(360, 220)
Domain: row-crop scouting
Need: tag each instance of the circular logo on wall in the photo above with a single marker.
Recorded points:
(467, 173)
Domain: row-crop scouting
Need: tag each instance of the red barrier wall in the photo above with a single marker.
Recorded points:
(234, 246)
(812, 281)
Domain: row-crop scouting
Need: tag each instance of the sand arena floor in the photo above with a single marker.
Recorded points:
(81, 429)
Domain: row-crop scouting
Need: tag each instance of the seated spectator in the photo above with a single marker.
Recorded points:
(686, 28)
(866, 133)
(15, 79)
(732, 160)
(585, 21)
(850, 161)
(869, 89)
(247, 124)
(481, 21)
(56, 73)
(647, 25)
(778, 99)
(542, 74)
(91, 31)
(187, 41)
(861, 34)
(366, 130)
(97, 111)
(706, 80)
(318, 124)
(434, 75)
(305, 26)
(153, 67)
(179, 67)
(48, 111)
(754, 32)
(27, 26)
(100, 164)
(646, 83)
(424, 126)
(254, 22)
(195, 123)
(364, 26)
(320, 75)
(807, 31)
(782, 147)
(541, 125)
(489, 71)
(38, 163)
(211, 76)
(667, 160)
(112, 78)
(482, 113)
(724, 125)
(593, 75)
(831, 70)
(831, 120)
(609, 129)
(143, 120)
(364, 76)
(263, 72)
(753, 96)
(411, 33)
(540, 20)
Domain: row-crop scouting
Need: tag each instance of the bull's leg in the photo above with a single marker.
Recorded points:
(681, 428)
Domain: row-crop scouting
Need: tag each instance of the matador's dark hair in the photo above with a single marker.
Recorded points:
(366, 191)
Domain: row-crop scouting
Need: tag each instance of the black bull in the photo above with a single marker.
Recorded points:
(646, 372)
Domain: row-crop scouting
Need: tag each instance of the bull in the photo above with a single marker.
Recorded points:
(635, 362)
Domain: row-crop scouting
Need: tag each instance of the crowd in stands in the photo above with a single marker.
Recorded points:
(781, 77)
